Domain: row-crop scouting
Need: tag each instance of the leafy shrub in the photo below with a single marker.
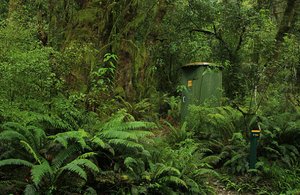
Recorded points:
(217, 122)
(25, 71)
(280, 136)
(237, 153)
(190, 159)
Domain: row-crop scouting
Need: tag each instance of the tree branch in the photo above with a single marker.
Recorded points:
(238, 47)
(203, 31)
(216, 35)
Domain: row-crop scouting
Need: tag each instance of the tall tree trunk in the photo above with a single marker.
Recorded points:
(285, 24)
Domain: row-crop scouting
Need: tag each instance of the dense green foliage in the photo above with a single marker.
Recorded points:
(90, 96)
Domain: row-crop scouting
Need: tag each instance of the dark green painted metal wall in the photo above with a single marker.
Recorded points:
(203, 84)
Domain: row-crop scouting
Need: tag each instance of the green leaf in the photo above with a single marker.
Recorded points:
(31, 151)
(30, 190)
(75, 169)
(130, 162)
(39, 171)
(99, 142)
(87, 155)
(11, 135)
(126, 143)
(174, 180)
(60, 158)
(15, 162)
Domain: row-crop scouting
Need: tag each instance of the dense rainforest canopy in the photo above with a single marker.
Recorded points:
(90, 97)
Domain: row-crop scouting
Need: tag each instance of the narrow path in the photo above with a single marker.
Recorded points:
(221, 189)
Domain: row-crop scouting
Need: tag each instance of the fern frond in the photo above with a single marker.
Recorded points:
(32, 135)
(115, 120)
(87, 155)
(135, 125)
(63, 155)
(204, 150)
(212, 159)
(99, 142)
(118, 123)
(202, 172)
(166, 170)
(39, 135)
(39, 171)
(8, 153)
(60, 139)
(146, 153)
(30, 190)
(193, 186)
(128, 144)
(118, 134)
(234, 158)
(14, 126)
(86, 163)
(79, 136)
(133, 135)
(7, 162)
(90, 191)
(17, 127)
(75, 169)
(272, 150)
(292, 148)
(12, 135)
(53, 121)
(31, 151)
(129, 162)
(173, 180)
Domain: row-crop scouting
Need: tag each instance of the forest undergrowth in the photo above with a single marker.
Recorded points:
(43, 147)
(90, 97)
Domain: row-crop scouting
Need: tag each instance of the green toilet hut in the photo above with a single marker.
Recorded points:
(203, 83)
